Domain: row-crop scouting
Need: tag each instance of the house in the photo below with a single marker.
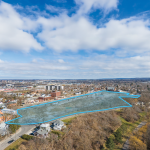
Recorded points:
(43, 130)
(44, 98)
(2, 105)
(3, 126)
(9, 111)
(58, 125)
(140, 103)
(77, 93)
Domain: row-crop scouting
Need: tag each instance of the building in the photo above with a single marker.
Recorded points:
(9, 111)
(55, 93)
(58, 125)
(43, 130)
(9, 85)
(2, 105)
(44, 98)
(54, 87)
(3, 129)
(110, 89)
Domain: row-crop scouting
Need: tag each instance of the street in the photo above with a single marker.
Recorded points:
(24, 129)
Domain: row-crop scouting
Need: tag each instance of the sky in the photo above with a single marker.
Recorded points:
(74, 39)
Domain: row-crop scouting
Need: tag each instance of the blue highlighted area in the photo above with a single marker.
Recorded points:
(92, 102)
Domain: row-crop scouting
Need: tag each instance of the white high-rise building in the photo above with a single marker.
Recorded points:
(55, 87)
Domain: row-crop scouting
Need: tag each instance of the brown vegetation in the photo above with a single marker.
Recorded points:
(140, 139)
(88, 131)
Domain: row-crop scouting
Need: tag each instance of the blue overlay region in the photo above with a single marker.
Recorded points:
(92, 102)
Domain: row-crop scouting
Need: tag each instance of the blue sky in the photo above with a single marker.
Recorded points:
(74, 39)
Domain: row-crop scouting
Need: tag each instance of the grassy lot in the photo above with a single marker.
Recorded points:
(59, 133)
(68, 120)
(15, 145)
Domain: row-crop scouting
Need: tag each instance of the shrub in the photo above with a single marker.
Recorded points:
(123, 128)
(110, 144)
(118, 136)
(27, 137)
(59, 133)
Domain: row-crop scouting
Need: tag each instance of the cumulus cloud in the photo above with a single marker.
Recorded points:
(63, 33)
(14, 29)
(54, 9)
(60, 60)
(73, 33)
(88, 5)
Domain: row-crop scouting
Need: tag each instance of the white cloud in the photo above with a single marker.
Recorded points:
(54, 9)
(60, 60)
(40, 68)
(12, 30)
(63, 33)
(34, 60)
(74, 33)
(88, 5)
(1, 61)
(94, 66)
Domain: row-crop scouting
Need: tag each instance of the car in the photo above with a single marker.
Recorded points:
(11, 141)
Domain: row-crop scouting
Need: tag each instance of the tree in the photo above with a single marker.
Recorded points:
(110, 144)
(136, 144)
(13, 128)
(118, 136)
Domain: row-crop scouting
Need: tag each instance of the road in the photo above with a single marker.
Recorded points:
(23, 130)
(126, 144)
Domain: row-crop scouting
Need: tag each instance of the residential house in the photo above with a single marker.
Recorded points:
(140, 103)
(43, 130)
(58, 125)
(3, 129)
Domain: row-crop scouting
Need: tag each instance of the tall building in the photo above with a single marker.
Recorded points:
(54, 87)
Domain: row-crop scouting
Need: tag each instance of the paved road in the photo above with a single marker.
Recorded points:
(23, 130)
(126, 144)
